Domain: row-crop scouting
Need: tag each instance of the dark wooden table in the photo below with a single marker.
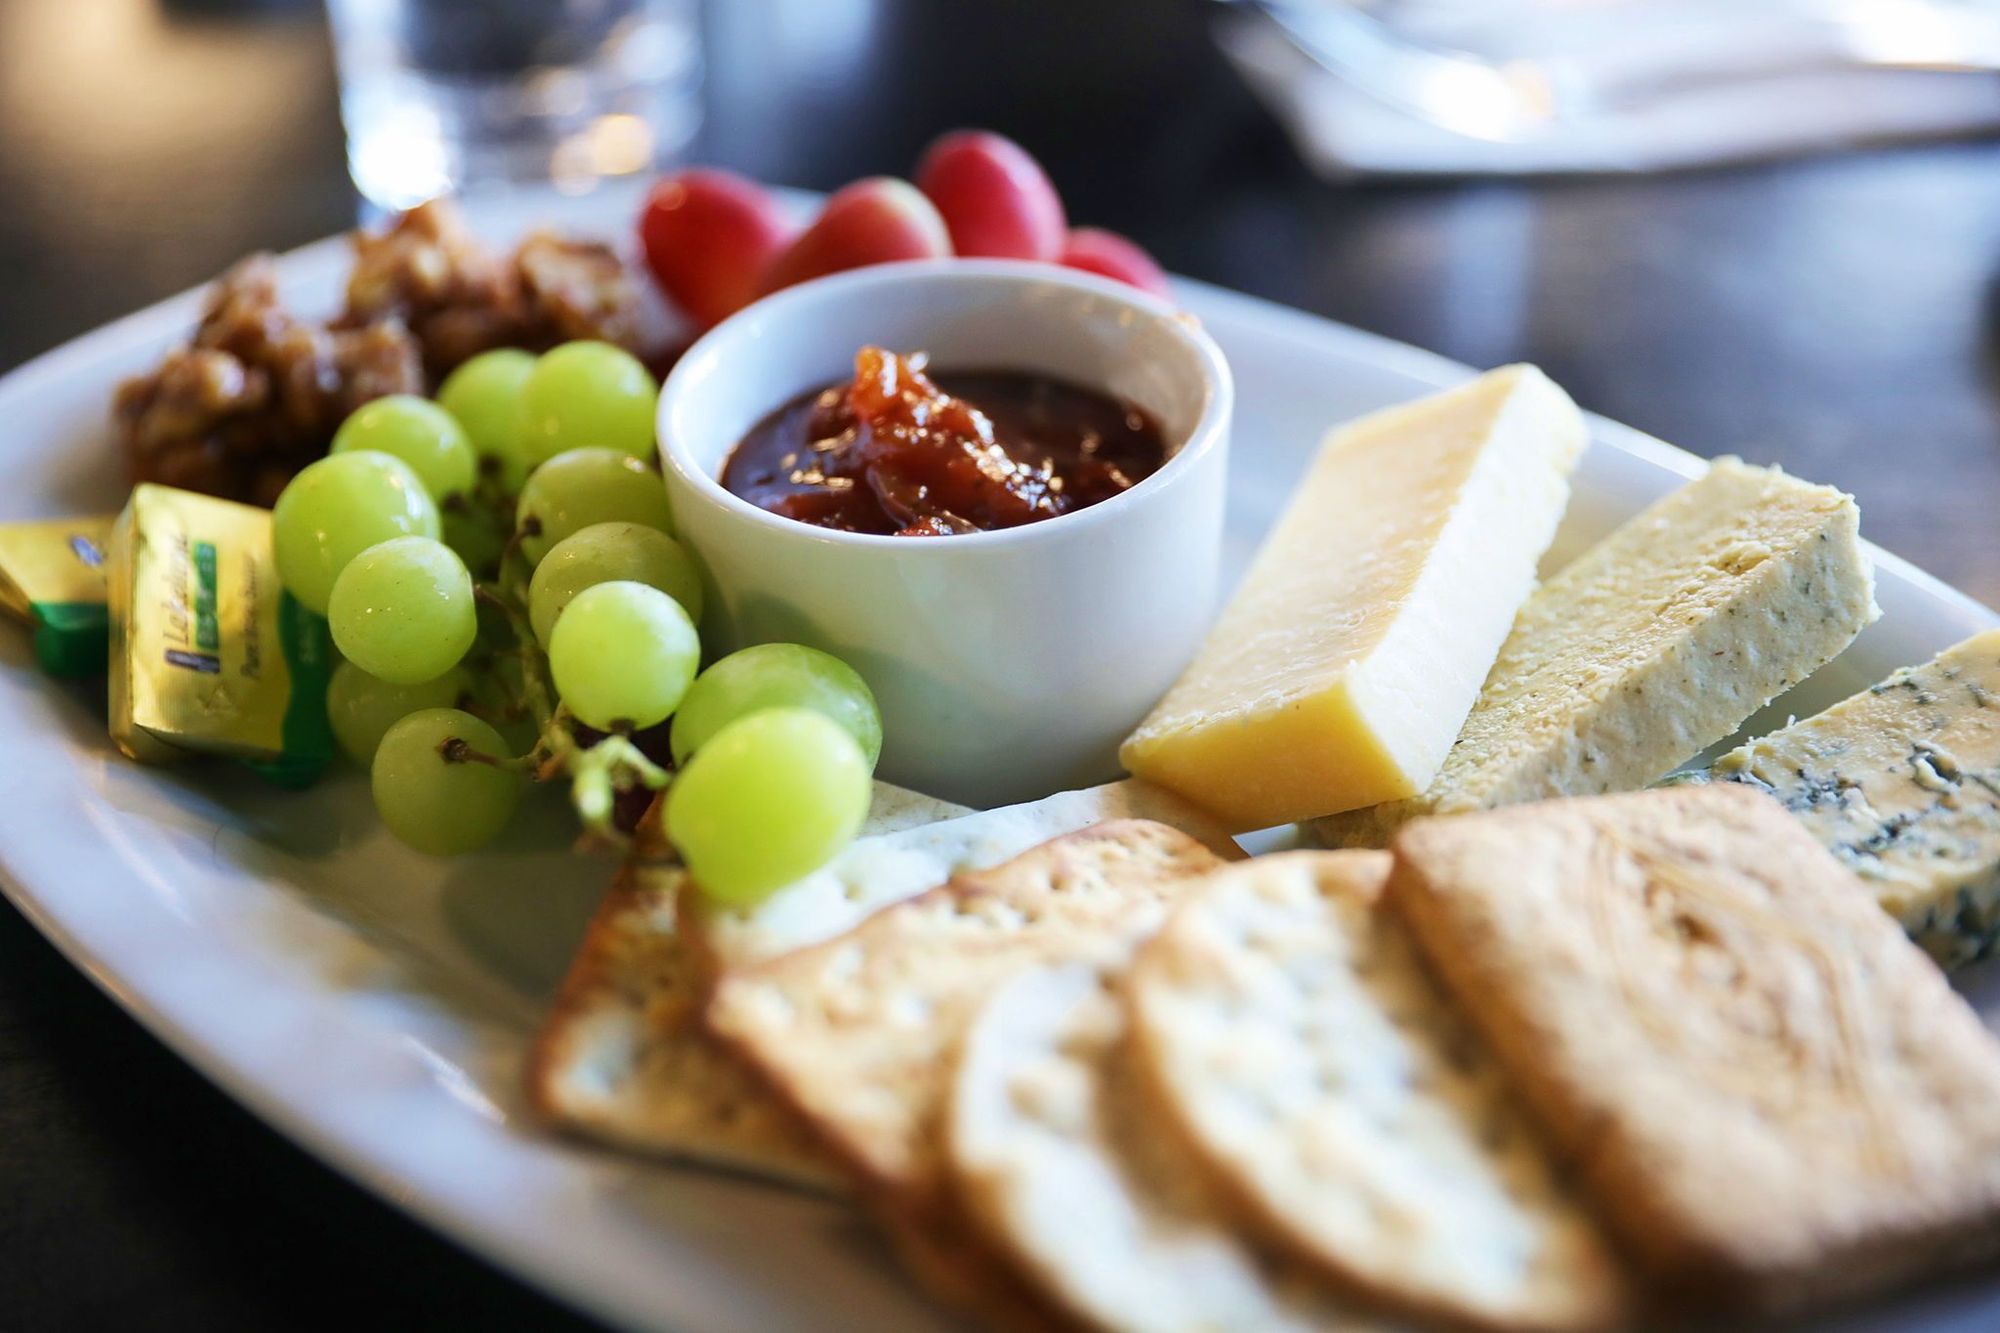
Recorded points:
(1833, 315)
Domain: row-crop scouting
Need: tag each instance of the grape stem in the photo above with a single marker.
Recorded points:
(457, 751)
(512, 708)
(598, 772)
(520, 534)
(495, 596)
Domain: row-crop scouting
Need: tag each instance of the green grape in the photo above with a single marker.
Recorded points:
(420, 433)
(586, 395)
(403, 610)
(339, 507)
(362, 707)
(485, 395)
(622, 656)
(584, 486)
(430, 795)
(777, 675)
(770, 798)
(602, 553)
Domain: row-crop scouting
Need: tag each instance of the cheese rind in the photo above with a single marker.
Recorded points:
(1343, 666)
(1902, 783)
(1653, 645)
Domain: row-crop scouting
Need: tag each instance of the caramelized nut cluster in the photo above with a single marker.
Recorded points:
(258, 391)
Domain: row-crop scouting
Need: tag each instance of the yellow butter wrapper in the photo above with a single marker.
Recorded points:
(52, 578)
(209, 654)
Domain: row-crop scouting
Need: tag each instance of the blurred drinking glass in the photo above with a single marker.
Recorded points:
(442, 96)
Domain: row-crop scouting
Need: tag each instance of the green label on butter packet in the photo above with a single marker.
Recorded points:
(210, 655)
(308, 741)
(52, 578)
(72, 639)
(206, 636)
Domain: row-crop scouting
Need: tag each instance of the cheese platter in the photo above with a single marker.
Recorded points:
(467, 1035)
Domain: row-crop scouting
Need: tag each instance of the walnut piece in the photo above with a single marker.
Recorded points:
(575, 289)
(258, 392)
(428, 270)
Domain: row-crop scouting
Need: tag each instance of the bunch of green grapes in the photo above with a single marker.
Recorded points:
(499, 572)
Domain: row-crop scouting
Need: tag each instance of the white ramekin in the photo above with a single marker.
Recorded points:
(1007, 664)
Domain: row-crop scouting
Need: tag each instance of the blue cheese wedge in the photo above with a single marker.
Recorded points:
(1902, 783)
(1653, 645)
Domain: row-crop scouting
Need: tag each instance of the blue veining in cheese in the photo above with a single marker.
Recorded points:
(1902, 782)
(1652, 646)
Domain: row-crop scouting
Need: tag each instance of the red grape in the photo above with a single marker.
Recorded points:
(708, 237)
(995, 198)
(872, 221)
(1110, 255)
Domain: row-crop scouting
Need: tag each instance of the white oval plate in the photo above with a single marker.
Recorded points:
(374, 1005)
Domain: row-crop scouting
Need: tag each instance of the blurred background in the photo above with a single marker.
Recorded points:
(1767, 228)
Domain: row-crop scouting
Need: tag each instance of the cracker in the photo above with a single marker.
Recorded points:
(959, 1271)
(622, 1057)
(1774, 1096)
(857, 1032)
(1286, 1026)
(1058, 1161)
(877, 872)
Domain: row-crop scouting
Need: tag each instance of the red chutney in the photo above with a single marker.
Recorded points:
(897, 451)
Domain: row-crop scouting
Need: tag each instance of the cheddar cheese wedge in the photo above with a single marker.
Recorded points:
(1653, 645)
(1343, 667)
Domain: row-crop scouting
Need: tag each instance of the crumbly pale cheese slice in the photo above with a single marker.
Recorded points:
(1287, 1027)
(874, 873)
(1654, 645)
(1902, 783)
(1342, 668)
(1062, 1167)
(1776, 1099)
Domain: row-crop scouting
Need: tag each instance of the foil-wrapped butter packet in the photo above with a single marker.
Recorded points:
(52, 579)
(209, 654)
